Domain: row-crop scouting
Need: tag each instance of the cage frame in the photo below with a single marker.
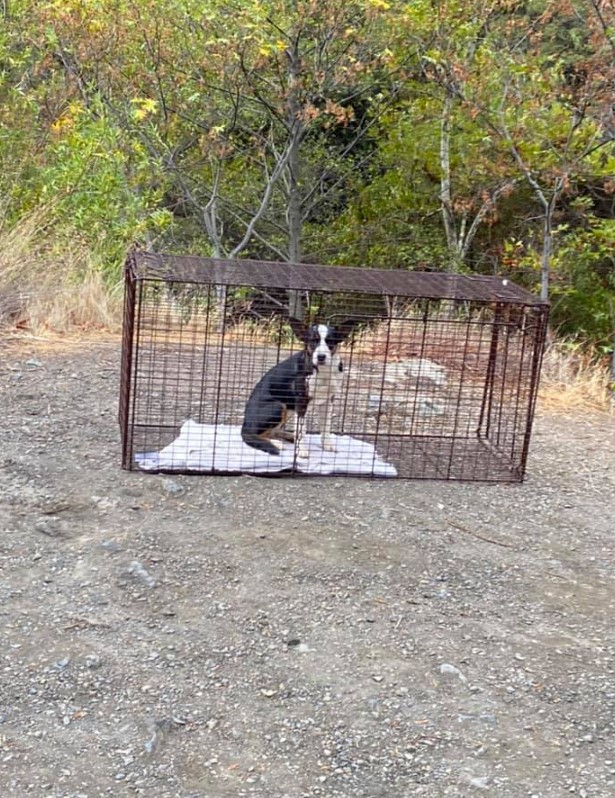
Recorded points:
(390, 285)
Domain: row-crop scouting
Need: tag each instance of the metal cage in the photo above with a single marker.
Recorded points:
(440, 375)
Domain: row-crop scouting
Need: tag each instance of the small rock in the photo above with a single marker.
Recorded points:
(159, 731)
(452, 670)
(50, 526)
(93, 661)
(139, 571)
(62, 664)
(480, 782)
(111, 545)
(171, 487)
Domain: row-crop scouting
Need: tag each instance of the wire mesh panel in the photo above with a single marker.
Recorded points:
(403, 374)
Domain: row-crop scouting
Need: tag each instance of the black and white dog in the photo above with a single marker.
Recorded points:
(312, 376)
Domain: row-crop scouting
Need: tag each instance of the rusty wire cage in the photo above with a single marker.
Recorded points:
(440, 376)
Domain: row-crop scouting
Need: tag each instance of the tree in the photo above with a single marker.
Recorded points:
(300, 90)
(425, 134)
(551, 121)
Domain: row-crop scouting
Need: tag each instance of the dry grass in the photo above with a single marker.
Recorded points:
(85, 305)
(574, 381)
(46, 292)
(48, 289)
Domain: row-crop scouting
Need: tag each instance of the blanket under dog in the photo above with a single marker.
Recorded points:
(211, 447)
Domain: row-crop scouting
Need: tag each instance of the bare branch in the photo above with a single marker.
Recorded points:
(606, 28)
(272, 247)
(466, 241)
(445, 178)
(264, 204)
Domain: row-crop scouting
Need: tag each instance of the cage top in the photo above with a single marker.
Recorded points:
(310, 277)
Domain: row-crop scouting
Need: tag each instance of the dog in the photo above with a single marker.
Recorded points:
(313, 375)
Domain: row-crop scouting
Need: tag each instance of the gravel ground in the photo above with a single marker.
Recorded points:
(203, 637)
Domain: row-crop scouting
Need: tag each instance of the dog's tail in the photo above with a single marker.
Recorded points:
(256, 442)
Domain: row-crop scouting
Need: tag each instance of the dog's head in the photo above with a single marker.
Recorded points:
(322, 340)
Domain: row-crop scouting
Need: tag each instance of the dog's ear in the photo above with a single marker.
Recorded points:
(345, 328)
(298, 327)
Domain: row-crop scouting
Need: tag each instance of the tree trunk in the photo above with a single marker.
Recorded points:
(547, 251)
(293, 208)
(446, 196)
(294, 216)
(547, 240)
(548, 206)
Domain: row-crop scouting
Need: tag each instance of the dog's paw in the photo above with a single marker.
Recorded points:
(303, 453)
(328, 445)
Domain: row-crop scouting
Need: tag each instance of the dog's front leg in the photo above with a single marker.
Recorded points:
(326, 413)
(300, 446)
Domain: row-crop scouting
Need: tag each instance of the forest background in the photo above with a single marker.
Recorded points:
(466, 135)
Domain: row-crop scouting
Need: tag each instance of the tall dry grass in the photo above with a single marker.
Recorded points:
(575, 380)
(47, 287)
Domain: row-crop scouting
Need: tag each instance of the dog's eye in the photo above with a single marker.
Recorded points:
(330, 341)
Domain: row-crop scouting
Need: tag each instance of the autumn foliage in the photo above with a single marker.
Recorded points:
(473, 135)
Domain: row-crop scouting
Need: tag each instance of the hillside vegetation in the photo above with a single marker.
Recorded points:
(474, 136)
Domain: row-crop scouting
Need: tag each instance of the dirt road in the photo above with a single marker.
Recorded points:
(208, 637)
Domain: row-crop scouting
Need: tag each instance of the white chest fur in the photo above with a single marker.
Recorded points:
(325, 383)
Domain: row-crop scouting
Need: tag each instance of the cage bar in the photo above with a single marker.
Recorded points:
(440, 373)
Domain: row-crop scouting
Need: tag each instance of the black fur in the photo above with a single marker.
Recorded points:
(282, 389)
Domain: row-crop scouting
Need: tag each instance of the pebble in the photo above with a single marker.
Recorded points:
(171, 487)
(452, 670)
(93, 661)
(138, 570)
(111, 545)
(50, 526)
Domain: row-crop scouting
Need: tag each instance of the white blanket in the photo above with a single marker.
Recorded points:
(209, 447)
